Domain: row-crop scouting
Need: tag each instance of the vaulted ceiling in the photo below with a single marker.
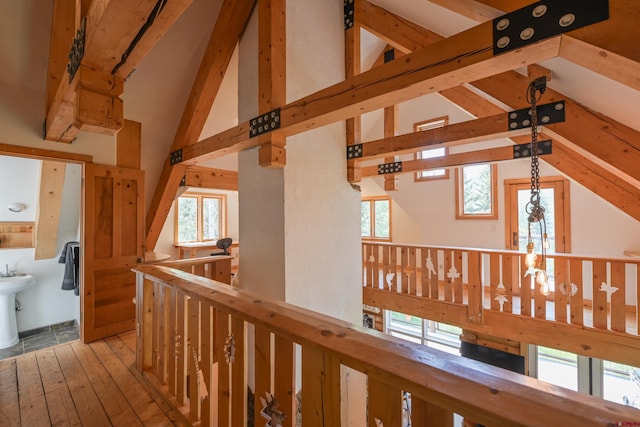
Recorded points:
(596, 70)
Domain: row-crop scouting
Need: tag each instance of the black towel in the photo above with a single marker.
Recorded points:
(70, 257)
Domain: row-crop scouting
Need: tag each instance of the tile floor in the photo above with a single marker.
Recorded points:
(42, 338)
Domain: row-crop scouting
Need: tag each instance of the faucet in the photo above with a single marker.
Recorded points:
(6, 272)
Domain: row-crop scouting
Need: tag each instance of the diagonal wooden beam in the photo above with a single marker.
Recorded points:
(231, 21)
(591, 133)
(477, 130)
(440, 66)
(397, 31)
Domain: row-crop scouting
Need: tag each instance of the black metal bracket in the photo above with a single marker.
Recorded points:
(389, 55)
(354, 151)
(521, 151)
(545, 19)
(76, 52)
(349, 10)
(547, 114)
(183, 181)
(264, 123)
(175, 157)
(387, 168)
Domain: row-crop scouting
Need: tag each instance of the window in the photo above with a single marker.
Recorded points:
(422, 331)
(200, 217)
(375, 218)
(476, 192)
(431, 174)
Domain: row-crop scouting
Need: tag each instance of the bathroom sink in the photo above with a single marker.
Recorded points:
(12, 284)
(8, 288)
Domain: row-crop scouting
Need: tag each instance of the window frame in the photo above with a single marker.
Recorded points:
(460, 194)
(372, 218)
(422, 127)
(200, 196)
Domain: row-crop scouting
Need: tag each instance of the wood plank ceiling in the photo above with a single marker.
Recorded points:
(595, 150)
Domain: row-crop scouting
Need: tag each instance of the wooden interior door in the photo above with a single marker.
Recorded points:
(113, 236)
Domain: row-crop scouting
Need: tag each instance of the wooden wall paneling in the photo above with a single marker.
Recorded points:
(562, 289)
(599, 307)
(384, 403)
(618, 298)
(284, 387)
(17, 235)
(576, 301)
(52, 176)
(263, 364)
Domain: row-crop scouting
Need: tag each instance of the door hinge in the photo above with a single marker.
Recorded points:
(138, 329)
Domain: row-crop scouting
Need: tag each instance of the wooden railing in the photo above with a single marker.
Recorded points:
(592, 308)
(218, 267)
(197, 339)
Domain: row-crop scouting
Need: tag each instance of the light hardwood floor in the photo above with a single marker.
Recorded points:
(80, 385)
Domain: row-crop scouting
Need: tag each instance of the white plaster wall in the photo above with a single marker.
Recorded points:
(45, 303)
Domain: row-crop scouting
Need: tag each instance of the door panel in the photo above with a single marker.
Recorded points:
(114, 243)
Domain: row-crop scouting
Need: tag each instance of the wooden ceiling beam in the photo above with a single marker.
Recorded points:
(592, 133)
(203, 177)
(440, 66)
(399, 32)
(490, 155)
(483, 129)
(114, 42)
(230, 24)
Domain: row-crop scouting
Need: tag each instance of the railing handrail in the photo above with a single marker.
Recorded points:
(194, 261)
(629, 260)
(462, 385)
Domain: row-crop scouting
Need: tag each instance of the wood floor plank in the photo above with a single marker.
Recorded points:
(84, 396)
(142, 403)
(112, 398)
(9, 407)
(62, 411)
(33, 405)
(122, 346)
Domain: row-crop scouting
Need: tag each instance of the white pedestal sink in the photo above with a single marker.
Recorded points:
(9, 286)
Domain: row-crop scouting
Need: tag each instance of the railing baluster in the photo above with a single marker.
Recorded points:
(562, 289)
(540, 301)
(394, 268)
(385, 267)
(193, 323)
(599, 298)
(457, 279)
(413, 271)
(181, 348)
(262, 357)
(238, 380)
(448, 268)
(428, 414)
(385, 403)
(370, 265)
(525, 289)
(474, 288)
(320, 388)
(172, 327)
(155, 341)
(433, 263)
(618, 298)
(575, 279)
(376, 267)
(509, 263)
(206, 354)
(284, 386)
(405, 271)
(494, 280)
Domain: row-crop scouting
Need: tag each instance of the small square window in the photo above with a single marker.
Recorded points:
(432, 153)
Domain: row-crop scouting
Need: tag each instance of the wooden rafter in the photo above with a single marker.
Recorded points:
(230, 24)
(113, 45)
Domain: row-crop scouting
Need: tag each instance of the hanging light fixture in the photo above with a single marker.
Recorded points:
(535, 211)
